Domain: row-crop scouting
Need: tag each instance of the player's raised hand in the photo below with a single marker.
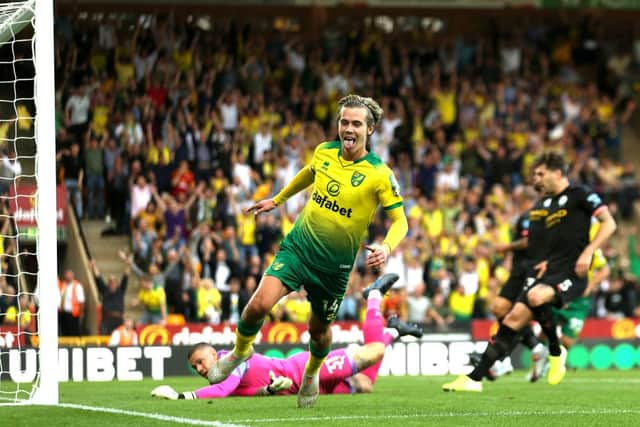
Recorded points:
(164, 392)
(262, 206)
(378, 255)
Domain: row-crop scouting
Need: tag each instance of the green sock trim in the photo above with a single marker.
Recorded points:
(319, 352)
(249, 330)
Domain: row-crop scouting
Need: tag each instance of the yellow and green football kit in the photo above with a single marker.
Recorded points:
(320, 250)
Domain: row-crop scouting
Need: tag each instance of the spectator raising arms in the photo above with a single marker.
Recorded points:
(112, 294)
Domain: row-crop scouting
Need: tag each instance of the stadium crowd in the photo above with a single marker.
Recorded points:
(168, 129)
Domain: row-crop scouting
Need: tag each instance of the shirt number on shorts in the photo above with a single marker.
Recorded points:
(529, 283)
(331, 308)
(565, 285)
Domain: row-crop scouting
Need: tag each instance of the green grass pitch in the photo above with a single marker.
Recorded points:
(585, 398)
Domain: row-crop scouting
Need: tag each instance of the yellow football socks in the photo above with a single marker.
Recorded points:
(243, 344)
(313, 364)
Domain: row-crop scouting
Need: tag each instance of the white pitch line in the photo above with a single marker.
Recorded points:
(161, 417)
(604, 380)
(447, 415)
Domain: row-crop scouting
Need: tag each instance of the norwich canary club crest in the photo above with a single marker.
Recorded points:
(357, 178)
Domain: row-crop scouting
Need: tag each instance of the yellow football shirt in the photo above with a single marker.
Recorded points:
(13, 314)
(433, 223)
(246, 229)
(598, 261)
(446, 104)
(208, 298)
(344, 198)
(299, 311)
(153, 299)
(100, 119)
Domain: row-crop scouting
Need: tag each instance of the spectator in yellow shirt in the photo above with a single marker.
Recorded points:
(154, 300)
(296, 307)
(463, 297)
(468, 240)
(21, 314)
(246, 236)
(208, 301)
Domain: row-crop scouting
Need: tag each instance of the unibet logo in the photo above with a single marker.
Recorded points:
(331, 205)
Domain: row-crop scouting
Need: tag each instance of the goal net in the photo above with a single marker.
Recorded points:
(28, 270)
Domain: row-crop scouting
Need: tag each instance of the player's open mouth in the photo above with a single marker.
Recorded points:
(348, 142)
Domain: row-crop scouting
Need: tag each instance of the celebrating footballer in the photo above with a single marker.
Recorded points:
(349, 183)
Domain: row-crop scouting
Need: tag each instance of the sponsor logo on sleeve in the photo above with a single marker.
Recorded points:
(395, 187)
(594, 199)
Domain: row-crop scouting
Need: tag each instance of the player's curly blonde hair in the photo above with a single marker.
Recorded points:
(374, 111)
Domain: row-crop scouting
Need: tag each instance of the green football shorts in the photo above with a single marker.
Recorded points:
(325, 291)
(571, 319)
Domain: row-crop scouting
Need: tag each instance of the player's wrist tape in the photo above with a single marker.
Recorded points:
(187, 395)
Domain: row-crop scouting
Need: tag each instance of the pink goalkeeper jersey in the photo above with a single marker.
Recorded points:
(253, 374)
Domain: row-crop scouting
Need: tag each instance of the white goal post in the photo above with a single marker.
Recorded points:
(29, 374)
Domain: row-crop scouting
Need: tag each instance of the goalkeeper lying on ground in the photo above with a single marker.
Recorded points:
(344, 371)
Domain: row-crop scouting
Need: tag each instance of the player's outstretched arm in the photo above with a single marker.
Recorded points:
(515, 245)
(262, 206)
(168, 393)
(302, 180)
(607, 228)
